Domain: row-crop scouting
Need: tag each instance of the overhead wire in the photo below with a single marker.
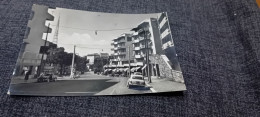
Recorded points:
(94, 30)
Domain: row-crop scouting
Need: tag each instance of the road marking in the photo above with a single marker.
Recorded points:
(151, 88)
(80, 92)
(112, 91)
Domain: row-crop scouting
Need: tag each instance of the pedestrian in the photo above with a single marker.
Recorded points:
(27, 74)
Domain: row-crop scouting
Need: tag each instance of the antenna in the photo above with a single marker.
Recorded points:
(56, 34)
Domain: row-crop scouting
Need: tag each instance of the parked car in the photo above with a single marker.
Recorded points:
(76, 76)
(116, 75)
(135, 80)
(47, 78)
(138, 73)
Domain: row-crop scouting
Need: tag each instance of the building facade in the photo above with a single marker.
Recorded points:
(146, 39)
(29, 57)
(167, 41)
(91, 58)
(151, 50)
(165, 31)
(122, 50)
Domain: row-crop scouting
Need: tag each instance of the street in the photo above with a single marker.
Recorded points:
(87, 84)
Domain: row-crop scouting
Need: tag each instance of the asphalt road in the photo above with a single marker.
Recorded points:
(121, 88)
(87, 84)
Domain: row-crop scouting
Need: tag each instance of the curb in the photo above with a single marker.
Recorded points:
(151, 88)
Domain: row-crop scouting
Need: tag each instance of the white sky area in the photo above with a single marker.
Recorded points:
(78, 28)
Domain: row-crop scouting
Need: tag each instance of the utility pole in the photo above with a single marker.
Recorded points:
(72, 64)
(45, 42)
(102, 64)
(129, 71)
(147, 57)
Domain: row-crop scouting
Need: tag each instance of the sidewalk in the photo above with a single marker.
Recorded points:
(20, 79)
(164, 85)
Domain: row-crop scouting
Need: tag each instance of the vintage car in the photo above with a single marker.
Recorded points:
(47, 78)
(135, 80)
(138, 73)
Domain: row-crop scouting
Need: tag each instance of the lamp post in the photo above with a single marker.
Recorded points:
(45, 43)
(72, 64)
(129, 61)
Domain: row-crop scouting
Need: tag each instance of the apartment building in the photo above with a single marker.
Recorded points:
(123, 50)
(146, 39)
(29, 56)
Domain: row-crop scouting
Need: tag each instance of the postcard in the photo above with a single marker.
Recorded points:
(69, 52)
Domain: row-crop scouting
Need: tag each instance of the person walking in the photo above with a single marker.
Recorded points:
(27, 74)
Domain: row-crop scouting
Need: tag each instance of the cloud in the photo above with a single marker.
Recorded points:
(81, 40)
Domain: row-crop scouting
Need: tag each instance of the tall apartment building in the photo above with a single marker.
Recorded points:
(165, 32)
(146, 38)
(123, 50)
(167, 41)
(29, 56)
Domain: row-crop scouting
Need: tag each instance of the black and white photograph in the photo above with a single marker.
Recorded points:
(68, 52)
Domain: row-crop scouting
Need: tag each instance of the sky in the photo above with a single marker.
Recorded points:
(91, 32)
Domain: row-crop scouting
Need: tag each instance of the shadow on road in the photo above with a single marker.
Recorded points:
(140, 88)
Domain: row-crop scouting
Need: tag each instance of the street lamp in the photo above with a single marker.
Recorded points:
(72, 64)
(45, 43)
(147, 55)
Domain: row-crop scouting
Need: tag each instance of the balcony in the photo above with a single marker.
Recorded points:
(142, 46)
(139, 56)
(136, 41)
(121, 47)
(115, 42)
(139, 63)
(121, 41)
(137, 48)
(116, 54)
(114, 60)
(121, 53)
(116, 48)
(141, 38)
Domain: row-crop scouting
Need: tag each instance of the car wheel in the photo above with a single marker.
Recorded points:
(129, 86)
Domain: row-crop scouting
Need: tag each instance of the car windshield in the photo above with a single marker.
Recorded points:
(138, 73)
(137, 77)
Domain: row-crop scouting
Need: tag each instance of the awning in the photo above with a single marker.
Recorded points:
(126, 69)
(120, 69)
(133, 69)
(144, 67)
(137, 68)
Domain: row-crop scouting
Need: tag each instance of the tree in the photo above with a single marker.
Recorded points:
(80, 63)
(60, 57)
(99, 63)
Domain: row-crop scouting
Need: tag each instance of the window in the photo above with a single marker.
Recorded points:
(166, 39)
(137, 77)
(161, 17)
(164, 27)
(129, 39)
